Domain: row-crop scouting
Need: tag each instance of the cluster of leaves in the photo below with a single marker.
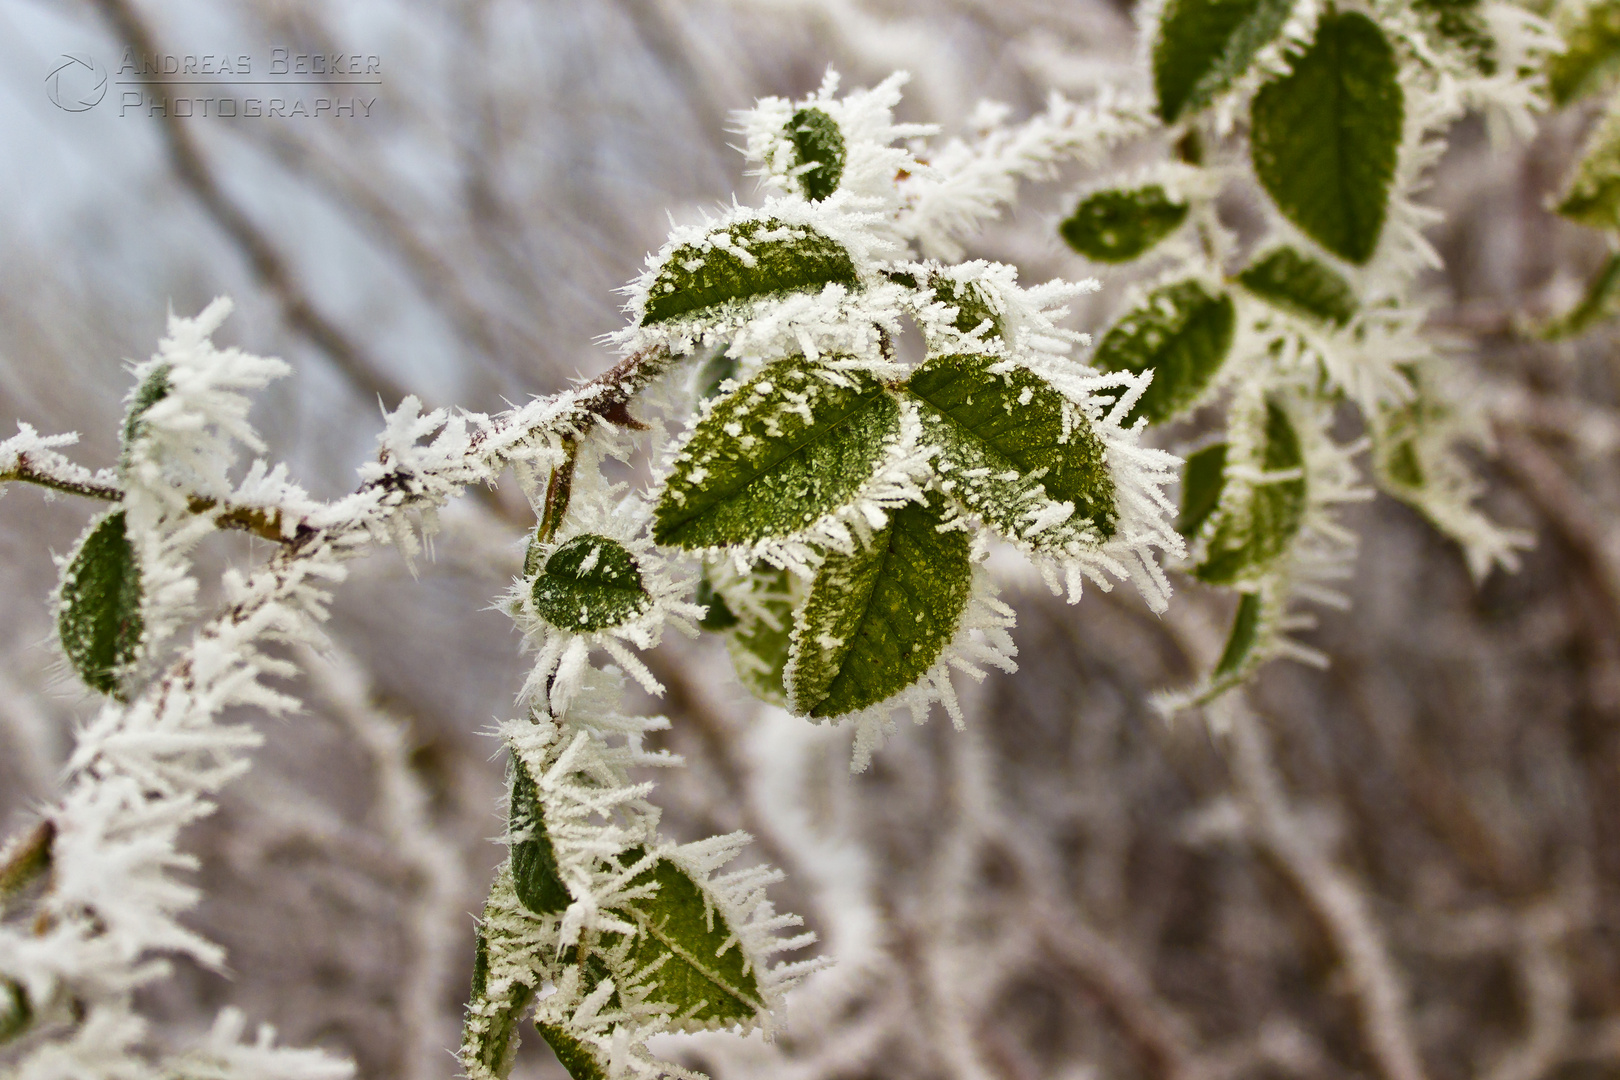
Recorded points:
(833, 504)
(1344, 108)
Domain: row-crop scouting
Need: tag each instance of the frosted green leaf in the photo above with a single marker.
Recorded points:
(99, 617)
(758, 629)
(1396, 457)
(817, 142)
(577, 1058)
(1201, 484)
(717, 614)
(700, 972)
(971, 307)
(1182, 334)
(876, 621)
(1203, 45)
(153, 389)
(534, 863)
(1601, 301)
(1009, 443)
(1462, 22)
(1248, 537)
(590, 583)
(745, 261)
(1243, 638)
(1325, 137)
(1594, 192)
(782, 451)
(1299, 284)
(1118, 225)
(1591, 53)
(487, 1037)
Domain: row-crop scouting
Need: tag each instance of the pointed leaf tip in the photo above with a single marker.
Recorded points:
(877, 620)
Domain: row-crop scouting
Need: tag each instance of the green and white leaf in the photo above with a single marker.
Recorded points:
(818, 158)
(535, 879)
(590, 583)
(1263, 505)
(1257, 634)
(754, 612)
(1591, 55)
(783, 455)
(1202, 481)
(1182, 333)
(98, 605)
(1203, 46)
(1325, 137)
(1118, 225)
(1418, 458)
(1462, 23)
(1593, 195)
(747, 260)
(1301, 285)
(581, 1059)
(1014, 451)
(503, 986)
(878, 620)
(687, 952)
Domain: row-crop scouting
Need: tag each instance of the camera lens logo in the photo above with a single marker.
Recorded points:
(77, 84)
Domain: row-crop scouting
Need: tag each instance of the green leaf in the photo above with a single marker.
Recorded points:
(1325, 137)
(1397, 459)
(717, 614)
(972, 308)
(1250, 536)
(1591, 53)
(1201, 485)
(1462, 22)
(534, 864)
(757, 466)
(778, 258)
(99, 612)
(1203, 45)
(1601, 301)
(1301, 285)
(487, 1039)
(1118, 225)
(1594, 192)
(1010, 443)
(1183, 334)
(590, 583)
(760, 629)
(700, 971)
(577, 1057)
(153, 389)
(16, 1014)
(877, 620)
(817, 142)
(1241, 642)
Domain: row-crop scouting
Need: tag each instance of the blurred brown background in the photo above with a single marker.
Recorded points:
(1406, 865)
